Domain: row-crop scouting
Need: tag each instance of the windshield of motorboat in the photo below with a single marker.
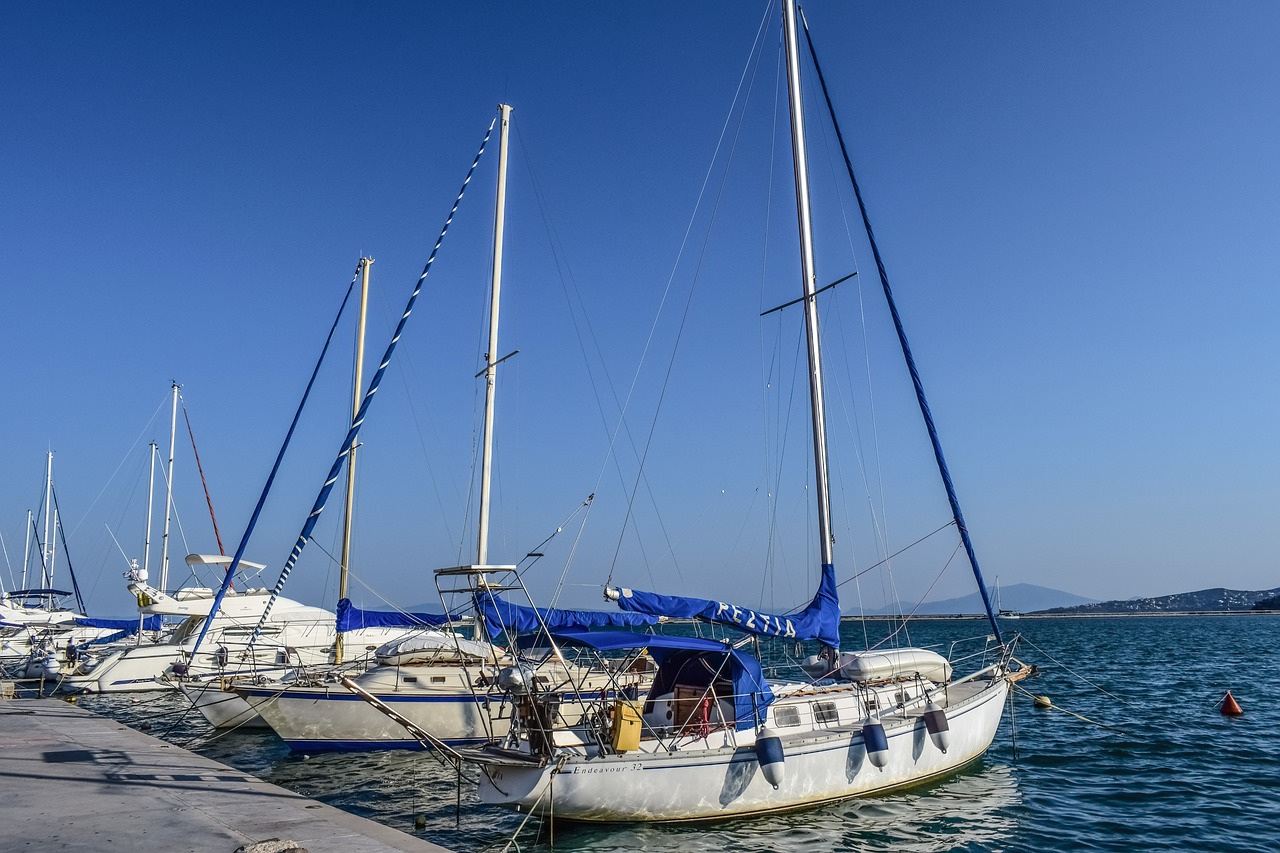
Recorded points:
(187, 629)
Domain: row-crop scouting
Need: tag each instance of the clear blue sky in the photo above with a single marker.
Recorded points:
(1077, 203)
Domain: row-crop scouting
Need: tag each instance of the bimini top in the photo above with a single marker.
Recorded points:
(751, 693)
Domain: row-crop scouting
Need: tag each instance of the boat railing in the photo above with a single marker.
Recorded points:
(979, 651)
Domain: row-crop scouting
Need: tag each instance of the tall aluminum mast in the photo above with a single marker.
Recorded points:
(48, 548)
(807, 266)
(491, 357)
(168, 510)
(357, 393)
(151, 491)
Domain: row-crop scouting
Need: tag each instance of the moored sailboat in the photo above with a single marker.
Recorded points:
(716, 737)
(439, 683)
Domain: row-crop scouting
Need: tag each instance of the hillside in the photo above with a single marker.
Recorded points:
(1205, 600)
(1021, 598)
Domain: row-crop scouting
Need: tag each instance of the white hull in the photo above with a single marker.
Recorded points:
(289, 645)
(721, 777)
(436, 698)
(333, 718)
(17, 643)
(222, 708)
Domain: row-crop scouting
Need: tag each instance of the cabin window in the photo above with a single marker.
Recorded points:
(437, 679)
(825, 714)
(410, 679)
(785, 716)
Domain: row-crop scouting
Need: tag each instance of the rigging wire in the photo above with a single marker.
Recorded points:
(702, 192)
(200, 468)
(1075, 674)
(164, 400)
(585, 334)
(925, 412)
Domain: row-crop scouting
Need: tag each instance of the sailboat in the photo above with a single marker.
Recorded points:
(297, 634)
(441, 685)
(715, 737)
(37, 623)
(212, 694)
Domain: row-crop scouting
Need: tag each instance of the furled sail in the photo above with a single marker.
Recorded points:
(819, 621)
(150, 623)
(351, 618)
(500, 615)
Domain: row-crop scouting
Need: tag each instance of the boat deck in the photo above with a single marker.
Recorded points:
(76, 781)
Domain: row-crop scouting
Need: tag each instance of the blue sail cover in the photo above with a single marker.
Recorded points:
(819, 621)
(502, 615)
(351, 618)
(150, 623)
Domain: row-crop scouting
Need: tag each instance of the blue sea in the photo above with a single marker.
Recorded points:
(1134, 755)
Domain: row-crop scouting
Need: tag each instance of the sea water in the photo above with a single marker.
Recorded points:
(1134, 755)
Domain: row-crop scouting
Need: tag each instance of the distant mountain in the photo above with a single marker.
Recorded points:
(1205, 600)
(1021, 598)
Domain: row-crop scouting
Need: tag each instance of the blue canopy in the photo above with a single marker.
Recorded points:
(150, 623)
(351, 618)
(29, 593)
(819, 621)
(687, 660)
(500, 615)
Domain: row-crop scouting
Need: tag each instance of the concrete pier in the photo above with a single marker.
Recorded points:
(75, 781)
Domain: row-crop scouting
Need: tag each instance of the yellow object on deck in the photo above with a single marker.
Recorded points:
(626, 727)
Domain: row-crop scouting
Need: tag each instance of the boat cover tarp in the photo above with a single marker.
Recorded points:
(111, 638)
(683, 659)
(819, 621)
(500, 615)
(31, 593)
(150, 623)
(351, 618)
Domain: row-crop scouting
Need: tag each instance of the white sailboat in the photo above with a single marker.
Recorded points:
(437, 682)
(296, 634)
(715, 737)
(213, 695)
(37, 623)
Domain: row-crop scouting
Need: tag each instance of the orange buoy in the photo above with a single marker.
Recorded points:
(1230, 707)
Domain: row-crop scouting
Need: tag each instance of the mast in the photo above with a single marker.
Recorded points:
(491, 357)
(357, 387)
(807, 267)
(168, 507)
(47, 549)
(26, 549)
(151, 492)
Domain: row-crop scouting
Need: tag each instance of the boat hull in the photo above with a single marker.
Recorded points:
(331, 718)
(715, 783)
(222, 708)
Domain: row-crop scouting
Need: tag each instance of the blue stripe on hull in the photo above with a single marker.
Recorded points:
(367, 745)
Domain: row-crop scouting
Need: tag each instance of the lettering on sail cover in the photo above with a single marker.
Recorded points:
(761, 623)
